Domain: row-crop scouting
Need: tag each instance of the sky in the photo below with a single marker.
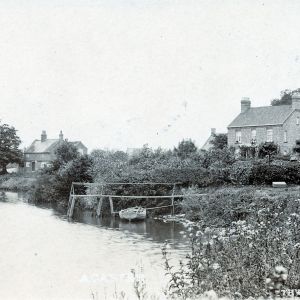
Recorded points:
(120, 74)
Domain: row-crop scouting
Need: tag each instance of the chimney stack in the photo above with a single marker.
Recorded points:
(43, 136)
(245, 104)
(296, 101)
(213, 131)
(61, 136)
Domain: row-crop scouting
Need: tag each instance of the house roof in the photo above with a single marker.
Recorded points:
(41, 147)
(262, 116)
(207, 145)
(78, 143)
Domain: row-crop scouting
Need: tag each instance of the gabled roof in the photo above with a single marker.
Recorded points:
(42, 147)
(262, 116)
(78, 143)
(207, 145)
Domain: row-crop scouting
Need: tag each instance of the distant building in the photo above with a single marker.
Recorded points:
(256, 125)
(207, 145)
(42, 152)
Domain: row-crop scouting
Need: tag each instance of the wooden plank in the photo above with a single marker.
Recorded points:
(141, 197)
(124, 183)
(279, 184)
(157, 207)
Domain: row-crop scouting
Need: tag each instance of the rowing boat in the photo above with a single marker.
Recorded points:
(133, 213)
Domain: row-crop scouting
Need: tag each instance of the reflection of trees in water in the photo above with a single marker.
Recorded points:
(156, 230)
(3, 197)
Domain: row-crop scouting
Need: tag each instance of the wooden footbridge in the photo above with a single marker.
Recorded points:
(98, 191)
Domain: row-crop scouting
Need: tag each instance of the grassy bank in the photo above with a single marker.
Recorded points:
(17, 182)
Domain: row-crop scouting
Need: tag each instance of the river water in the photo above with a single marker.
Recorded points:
(45, 256)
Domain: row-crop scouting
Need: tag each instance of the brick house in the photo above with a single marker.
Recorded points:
(42, 152)
(256, 125)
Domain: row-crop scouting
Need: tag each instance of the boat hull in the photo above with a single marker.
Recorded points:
(132, 214)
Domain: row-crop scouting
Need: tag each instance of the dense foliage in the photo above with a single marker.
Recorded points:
(246, 244)
(9, 147)
(220, 141)
(285, 97)
(54, 183)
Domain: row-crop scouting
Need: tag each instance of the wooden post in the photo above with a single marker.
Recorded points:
(72, 206)
(173, 199)
(99, 207)
(111, 204)
(70, 201)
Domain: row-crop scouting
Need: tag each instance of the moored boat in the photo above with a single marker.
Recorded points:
(133, 213)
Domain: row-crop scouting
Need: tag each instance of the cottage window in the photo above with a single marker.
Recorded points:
(238, 136)
(285, 137)
(269, 135)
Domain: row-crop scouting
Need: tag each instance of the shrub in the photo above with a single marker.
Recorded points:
(242, 237)
(240, 172)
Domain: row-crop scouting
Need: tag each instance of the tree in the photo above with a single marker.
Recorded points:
(185, 148)
(268, 149)
(64, 153)
(219, 141)
(285, 97)
(9, 147)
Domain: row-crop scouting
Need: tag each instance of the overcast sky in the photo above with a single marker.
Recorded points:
(120, 74)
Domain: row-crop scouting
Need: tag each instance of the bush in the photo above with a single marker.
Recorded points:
(243, 235)
(240, 172)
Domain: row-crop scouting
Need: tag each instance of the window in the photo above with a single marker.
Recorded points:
(269, 135)
(28, 164)
(297, 121)
(285, 137)
(238, 136)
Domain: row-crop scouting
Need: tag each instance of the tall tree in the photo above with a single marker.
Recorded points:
(285, 97)
(185, 148)
(9, 147)
(64, 153)
(219, 141)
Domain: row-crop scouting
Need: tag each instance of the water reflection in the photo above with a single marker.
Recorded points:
(155, 230)
(49, 257)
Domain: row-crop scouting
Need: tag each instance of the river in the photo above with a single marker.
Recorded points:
(45, 256)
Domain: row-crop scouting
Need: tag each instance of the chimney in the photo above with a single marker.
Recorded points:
(296, 101)
(43, 136)
(245, 104)
(61, 136)
(213, 131)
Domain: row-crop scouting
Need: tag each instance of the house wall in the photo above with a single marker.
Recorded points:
(293, 131)
(40, 160)
(261, 135)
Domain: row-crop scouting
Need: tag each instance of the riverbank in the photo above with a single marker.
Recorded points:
(17, 182)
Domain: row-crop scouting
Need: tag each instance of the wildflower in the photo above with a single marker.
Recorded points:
(268, 280)
(215, 266)
(280, 270)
